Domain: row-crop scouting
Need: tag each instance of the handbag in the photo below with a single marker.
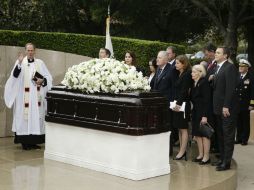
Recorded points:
(206, 130)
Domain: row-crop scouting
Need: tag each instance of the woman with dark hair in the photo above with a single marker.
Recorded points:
(130, 59)
(182, 87)
(153, 67)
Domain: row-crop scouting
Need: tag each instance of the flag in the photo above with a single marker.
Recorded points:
(108, 45)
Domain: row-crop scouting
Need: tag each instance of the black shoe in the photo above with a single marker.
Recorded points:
(180, 158)
(205, 162)
(217, 163)
(244, 143)
(34, 146)
(217, 156)
(197, 160)
(26, 147)
(223, 167)
(238, 142)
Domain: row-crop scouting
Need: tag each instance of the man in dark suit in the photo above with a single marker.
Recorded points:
(225, 105)
(209, 51)
(174, 138)
(171, 50)
(162, 82)
(245, 92)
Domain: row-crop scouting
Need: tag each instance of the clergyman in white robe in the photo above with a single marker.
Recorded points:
(28, 101)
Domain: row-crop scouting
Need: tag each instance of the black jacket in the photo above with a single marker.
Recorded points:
(182, 87)
(201, 98)
(245, 91)
(162, 82)
(224, 88)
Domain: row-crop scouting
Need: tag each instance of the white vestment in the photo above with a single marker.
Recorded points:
(33, 123)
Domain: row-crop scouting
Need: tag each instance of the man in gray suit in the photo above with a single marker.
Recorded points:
(225, 105)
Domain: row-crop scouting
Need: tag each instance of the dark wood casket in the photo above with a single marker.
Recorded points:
(131, 113)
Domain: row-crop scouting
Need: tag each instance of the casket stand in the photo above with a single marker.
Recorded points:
(125, 134)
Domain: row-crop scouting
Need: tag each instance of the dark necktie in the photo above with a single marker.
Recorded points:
(216, 69)
(159, 72)
(211, 65)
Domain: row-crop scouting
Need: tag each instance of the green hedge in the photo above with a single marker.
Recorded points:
(88, 45)
(196, 61)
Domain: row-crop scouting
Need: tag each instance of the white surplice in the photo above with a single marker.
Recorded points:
(14, 97)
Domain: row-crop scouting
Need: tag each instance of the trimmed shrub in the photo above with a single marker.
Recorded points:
(88, 45)
(196, 61)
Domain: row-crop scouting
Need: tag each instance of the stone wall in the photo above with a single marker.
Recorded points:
(57, 63)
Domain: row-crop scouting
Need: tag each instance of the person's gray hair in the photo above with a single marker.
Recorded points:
(200, 69)
(164, 54)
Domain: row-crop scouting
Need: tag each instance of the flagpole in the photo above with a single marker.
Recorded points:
(108, 21)
(108, 45)
(108, 10)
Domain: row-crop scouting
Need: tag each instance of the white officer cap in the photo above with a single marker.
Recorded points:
(244, 63)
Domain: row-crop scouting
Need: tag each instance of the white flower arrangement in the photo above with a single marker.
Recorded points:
(104, 75)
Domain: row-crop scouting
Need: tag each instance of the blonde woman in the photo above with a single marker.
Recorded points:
(200, 98)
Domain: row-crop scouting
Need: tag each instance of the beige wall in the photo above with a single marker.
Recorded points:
(57, 63)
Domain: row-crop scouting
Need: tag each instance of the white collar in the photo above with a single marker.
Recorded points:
(172, 61)
(243, 75)
(220, 64)
(163, 67)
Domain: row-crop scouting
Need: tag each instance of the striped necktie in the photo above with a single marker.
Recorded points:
(159, 72)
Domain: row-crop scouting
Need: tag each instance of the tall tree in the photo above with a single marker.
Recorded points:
(163, 20)
(228, 16)
(249, 26)
(171, 21)
(20, 15)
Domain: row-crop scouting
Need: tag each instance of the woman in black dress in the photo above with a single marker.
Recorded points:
(152, 67)
(200, 98)
(182, 87)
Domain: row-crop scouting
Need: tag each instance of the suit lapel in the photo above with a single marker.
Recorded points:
(173, 64)
(245, 77)
(196, 88)
(164, 71)
(220, 71)
(222, 67)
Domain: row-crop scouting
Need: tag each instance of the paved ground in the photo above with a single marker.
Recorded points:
(244, 156)
(13, 160)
